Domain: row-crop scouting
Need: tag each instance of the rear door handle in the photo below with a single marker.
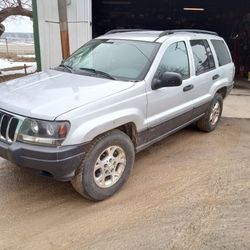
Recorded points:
(216, 77)
(188, 87)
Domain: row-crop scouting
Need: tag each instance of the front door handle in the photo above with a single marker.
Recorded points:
(216, 77)
(188, 87)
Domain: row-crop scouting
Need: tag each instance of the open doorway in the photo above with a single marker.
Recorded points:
(229, 18)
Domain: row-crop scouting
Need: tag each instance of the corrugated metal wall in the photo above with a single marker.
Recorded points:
(80, 28)
(80, 23)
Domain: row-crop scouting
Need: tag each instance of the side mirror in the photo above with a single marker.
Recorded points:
(168, 79)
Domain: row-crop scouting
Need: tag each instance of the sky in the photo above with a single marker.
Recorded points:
(18, 24)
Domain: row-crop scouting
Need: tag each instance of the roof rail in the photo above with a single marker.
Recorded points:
(123, 30)
(169, 32)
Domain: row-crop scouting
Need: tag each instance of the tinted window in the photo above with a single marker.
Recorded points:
(175, 59)
(221, 52)
(203, 56)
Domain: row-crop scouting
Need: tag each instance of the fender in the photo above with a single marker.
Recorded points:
(223, 83)
(88, 130)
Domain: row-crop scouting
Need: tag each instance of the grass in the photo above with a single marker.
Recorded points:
(14, 68)
(10, 77)
(15, 58)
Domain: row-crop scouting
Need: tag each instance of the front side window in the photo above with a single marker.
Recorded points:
(175, 59)
(203, 57)
(120, 59)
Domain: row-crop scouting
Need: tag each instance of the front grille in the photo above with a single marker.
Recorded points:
(8, 127)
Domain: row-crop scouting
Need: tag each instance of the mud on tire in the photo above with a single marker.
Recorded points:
(106, 166)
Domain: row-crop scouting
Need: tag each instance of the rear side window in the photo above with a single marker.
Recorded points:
(175, 59)
(203, 57)
(221, 52)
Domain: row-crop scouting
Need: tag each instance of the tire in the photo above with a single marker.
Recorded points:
(210, 121)
(106, 166)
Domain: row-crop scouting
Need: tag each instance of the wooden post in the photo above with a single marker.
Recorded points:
(25, 69)
(36, 35)
(63, 19)
(7, 48)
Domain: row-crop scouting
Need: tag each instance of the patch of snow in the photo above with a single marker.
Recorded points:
(4, 63)
(26, 56)
(22, 43)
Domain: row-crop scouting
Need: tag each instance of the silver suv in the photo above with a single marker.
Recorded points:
(84, 120)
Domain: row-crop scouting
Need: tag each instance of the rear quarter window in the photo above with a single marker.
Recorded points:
(222, 52)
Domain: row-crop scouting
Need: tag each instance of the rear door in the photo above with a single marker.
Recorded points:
(205, 74)
(226, 69)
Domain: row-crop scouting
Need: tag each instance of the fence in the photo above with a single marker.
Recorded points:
(16, 47)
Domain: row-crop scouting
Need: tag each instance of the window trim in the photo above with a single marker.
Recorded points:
(214, 67)
(210, 69)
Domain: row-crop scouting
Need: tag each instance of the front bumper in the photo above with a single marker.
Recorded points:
(59, 163)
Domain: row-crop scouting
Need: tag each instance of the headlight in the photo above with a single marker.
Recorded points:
(43, 132)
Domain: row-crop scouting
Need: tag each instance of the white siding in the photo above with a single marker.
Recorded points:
(80, 30)
(49, 33)
(80, 23)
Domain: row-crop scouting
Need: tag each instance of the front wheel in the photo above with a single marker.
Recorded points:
(106, 166)
(212, 117)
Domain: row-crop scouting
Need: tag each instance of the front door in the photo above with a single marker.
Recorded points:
(171, 107)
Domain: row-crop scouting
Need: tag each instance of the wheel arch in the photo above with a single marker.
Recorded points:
(222, 91)
(128, 128)
(126, 122)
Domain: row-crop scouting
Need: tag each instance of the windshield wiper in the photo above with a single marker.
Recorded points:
(98, 72)
(68, 68)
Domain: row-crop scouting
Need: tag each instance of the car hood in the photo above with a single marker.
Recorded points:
(51, 93)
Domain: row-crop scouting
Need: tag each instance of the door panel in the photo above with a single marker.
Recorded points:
(204, 74)
(170, 107)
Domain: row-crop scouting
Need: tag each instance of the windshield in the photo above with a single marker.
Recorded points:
(115, 59)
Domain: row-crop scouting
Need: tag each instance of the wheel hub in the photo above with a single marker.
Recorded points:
(215, 113)
(109, 166)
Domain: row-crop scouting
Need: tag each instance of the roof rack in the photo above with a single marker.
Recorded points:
(169, 32)
(123, 30)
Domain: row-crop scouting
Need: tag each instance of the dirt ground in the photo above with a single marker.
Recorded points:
(190, 191)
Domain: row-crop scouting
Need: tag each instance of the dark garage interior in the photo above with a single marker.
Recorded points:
(229, 18)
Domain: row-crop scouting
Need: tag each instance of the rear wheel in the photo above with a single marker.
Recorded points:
(106, 166)
(212, 117)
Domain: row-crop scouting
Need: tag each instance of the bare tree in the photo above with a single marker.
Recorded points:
(13, 8)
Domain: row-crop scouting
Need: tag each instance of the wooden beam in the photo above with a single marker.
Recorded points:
(63, 19)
